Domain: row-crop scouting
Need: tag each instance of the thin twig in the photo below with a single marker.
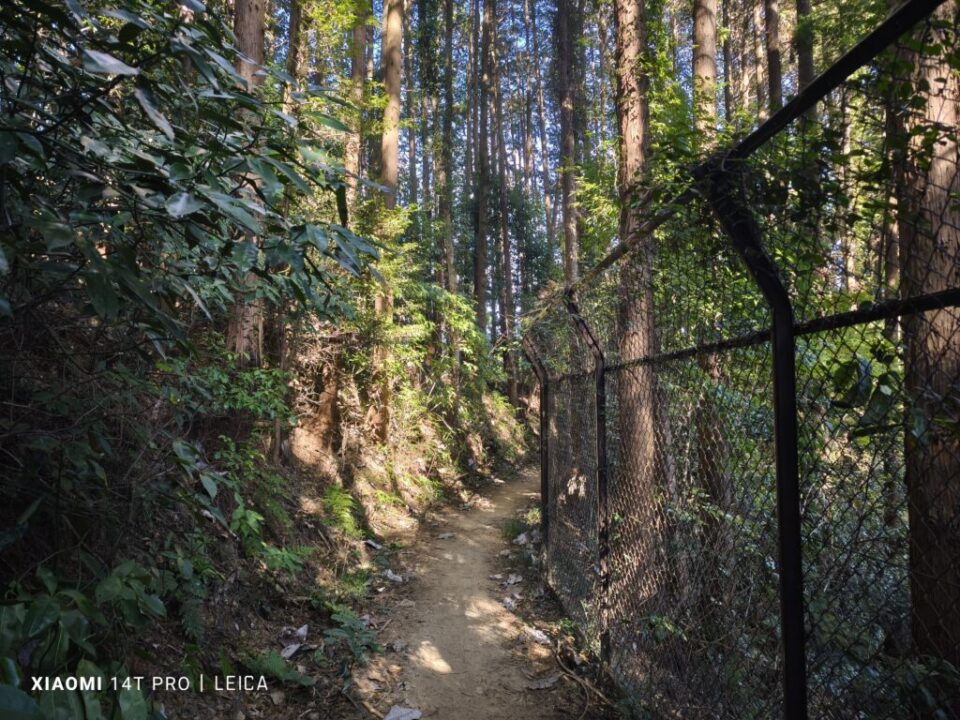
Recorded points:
(584, 683)
(365, 705)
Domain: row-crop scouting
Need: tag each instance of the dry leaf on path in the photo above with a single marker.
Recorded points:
(402, 713)
(544, 683)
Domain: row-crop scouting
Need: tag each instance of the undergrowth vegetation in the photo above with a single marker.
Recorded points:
(162, 493)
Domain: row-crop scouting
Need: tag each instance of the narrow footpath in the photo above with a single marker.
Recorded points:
(454, 649)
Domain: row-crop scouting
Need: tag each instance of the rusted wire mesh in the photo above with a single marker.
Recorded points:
(856, 202)
(570, 518)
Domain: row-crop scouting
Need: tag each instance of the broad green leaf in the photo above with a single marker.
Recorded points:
(231, 207)
(61, 705)
(145, 98)
(101, 62)
(8, 147)
(32, 143)
(41, 614)
(328, 121)
(271, 183)
(132, 704)
(209, 484)
(49, 580)
(17, 705)
(185, 452)
(102, 296)
(183, 204)
(153, 604)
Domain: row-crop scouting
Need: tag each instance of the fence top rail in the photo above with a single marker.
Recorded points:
(872, 312)
(900, 21)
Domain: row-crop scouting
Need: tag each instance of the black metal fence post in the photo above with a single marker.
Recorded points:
(603, 521)
(727, 199)
(544, 378)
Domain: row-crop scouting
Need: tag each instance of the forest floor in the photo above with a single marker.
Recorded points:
(473, 634)
(468, 630)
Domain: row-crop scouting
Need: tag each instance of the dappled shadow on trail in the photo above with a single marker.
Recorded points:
(462, 653)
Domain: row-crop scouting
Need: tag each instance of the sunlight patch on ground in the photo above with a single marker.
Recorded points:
(429, 657)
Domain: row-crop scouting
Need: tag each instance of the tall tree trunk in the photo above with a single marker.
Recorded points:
(245, 328)
(408, 50)
(602, 76)
(391, 62)
(483, 169)
(568, 142)
(506, 302)
(803, 42)
(759, 61)
(771, 17)
(636, 335)
(729, 75)
(295, 52)
(530, 17)
(358, 53)
(471, 148)
(445, 164)
(705, 65)
(526, 116)
(930, 261)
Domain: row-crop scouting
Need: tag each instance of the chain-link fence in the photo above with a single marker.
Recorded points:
(751, 414)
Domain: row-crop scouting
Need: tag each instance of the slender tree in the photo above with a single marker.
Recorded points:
(483, 168)
(506, 293)
(705, 64)
(245, 328)
(803, 44)
(530, 17)
(771, 18)
(636, 335)
(567, 96)
(358, 61)
(445, 164)
(391, 63)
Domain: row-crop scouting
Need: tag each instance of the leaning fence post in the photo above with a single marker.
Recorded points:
(727, 199)
(603, 524)
(543, 377)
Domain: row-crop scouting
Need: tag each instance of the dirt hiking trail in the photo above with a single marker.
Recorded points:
(455, 652)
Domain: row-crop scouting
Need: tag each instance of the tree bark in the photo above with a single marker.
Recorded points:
(506, 301)
(391, 62)
(771, 17)
(248, 26)
(413, 187)
(483, 169)
(245, 327)
(705, 65)
(759, 62)
(295, 63)
(568, 141)
(729, 75)
(358, 59)
(636, 332)
(471, 148)
(803, 42)
(929, 227)
(445, 164)
(530, 16)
